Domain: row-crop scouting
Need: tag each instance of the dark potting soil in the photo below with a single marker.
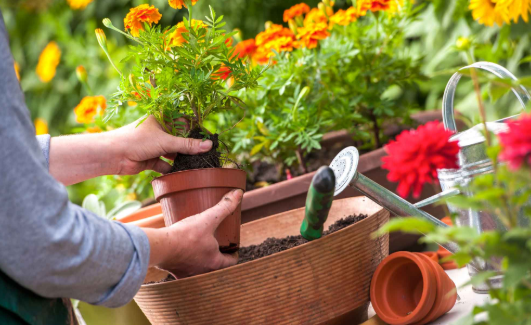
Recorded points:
(274, 245)
(211, 159)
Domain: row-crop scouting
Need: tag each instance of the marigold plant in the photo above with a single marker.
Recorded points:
(89, 108)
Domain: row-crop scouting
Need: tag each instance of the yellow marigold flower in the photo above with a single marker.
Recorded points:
(78, 4)
(513, 9)
(316, 16)
(296, 11)
(48, 62)
(396, 6)
(131, 196)
(177, 39)
(487, 13)
(131, 103)
(89, 107)
(178, 4)
(340, 18)
(94, 129)
(41, 126)
(81, 73)
(17, 70)
(310, 35)
(138, 16)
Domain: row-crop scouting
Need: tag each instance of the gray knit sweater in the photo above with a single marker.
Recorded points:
(48, 244)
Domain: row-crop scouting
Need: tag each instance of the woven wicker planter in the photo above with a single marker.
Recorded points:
(324, 281)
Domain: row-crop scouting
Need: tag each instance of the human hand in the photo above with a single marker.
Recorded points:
(188, 247)
(140, 147)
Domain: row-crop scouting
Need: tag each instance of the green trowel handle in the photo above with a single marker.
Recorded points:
(318, 203)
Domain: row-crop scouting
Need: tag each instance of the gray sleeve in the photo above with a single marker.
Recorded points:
(44, 143)
(48, 244)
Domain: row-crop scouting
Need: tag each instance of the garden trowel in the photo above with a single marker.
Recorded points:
(318, 203)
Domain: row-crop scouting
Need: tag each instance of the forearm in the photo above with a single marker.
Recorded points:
(76, 158)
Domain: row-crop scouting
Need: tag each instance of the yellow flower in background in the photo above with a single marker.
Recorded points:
(130, 196)
(396, 6)
(487, 13)
(17, 71)
(316, 16)
(48, 62)
(78, 4)
(41, 126)
(340, 18)
(178, 4)
(513, 9)
(138, 16)
(89, 107)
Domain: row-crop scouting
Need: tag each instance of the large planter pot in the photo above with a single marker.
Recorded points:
(291, 194)
(325, 281)
(187, 193)
(411, 288)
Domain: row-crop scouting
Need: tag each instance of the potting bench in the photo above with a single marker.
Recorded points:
(464, 305)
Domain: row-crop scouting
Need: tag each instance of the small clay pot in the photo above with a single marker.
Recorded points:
(148, 217)
(187, 193)
(432, 255)
(410, 288)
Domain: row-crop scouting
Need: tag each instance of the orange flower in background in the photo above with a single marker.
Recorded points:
(89, 107)
(296, 11)
(177, 39)
(94, 129)
(340, 18)
(352, 13)
(223, 73)
(48, 62)
(17, 70)
(138, 16)
(178, 4)
(310, 35)
(41, 126)
(78, 4)
(245, 49)
(378, 5)
(272, 33)
(316, 16)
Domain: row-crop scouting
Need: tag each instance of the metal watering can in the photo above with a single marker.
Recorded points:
(472, 161)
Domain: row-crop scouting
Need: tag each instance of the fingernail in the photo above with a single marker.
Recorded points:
(205, 145)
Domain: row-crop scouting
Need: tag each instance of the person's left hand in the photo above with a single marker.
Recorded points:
(140, 147)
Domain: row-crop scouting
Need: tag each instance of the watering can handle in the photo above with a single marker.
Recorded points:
(449, 93)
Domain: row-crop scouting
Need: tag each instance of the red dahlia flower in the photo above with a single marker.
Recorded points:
(516, 142)
(416, 155)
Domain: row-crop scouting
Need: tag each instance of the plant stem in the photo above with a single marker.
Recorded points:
(375, 130)
(480, 101)
(301, 161)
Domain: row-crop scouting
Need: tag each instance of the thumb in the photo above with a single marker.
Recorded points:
(227, 260)
(226, 207)
(171, 144)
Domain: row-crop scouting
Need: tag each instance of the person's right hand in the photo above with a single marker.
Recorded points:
(188, 247)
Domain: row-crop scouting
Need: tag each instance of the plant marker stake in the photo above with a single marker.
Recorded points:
(318, 203)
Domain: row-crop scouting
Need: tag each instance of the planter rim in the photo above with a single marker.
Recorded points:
(163, 187)
(250, 264)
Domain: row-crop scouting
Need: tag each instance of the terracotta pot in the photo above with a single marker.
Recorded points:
(432, 255)
(187, 193)
(148, 217)
(325, 281)
(410, 288)
(291, 194)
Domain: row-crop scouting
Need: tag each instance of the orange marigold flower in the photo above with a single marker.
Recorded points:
(48, 62)
(94, 129)
(17, 70)
(296, 11)
(89, 107)
(138, 16)
(316, 16)
(310, 35)
(353, 13)
(41, 126)
(245, 48)
(272, 33)
(223, 73)
(177, 39)
(262, 55)
(340, 18)
(178, 4)
(78, 4)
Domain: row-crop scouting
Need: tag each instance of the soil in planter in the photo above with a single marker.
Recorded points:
(274, 245)
(210, 159)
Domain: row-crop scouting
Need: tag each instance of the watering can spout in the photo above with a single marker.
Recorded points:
(345, 166)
